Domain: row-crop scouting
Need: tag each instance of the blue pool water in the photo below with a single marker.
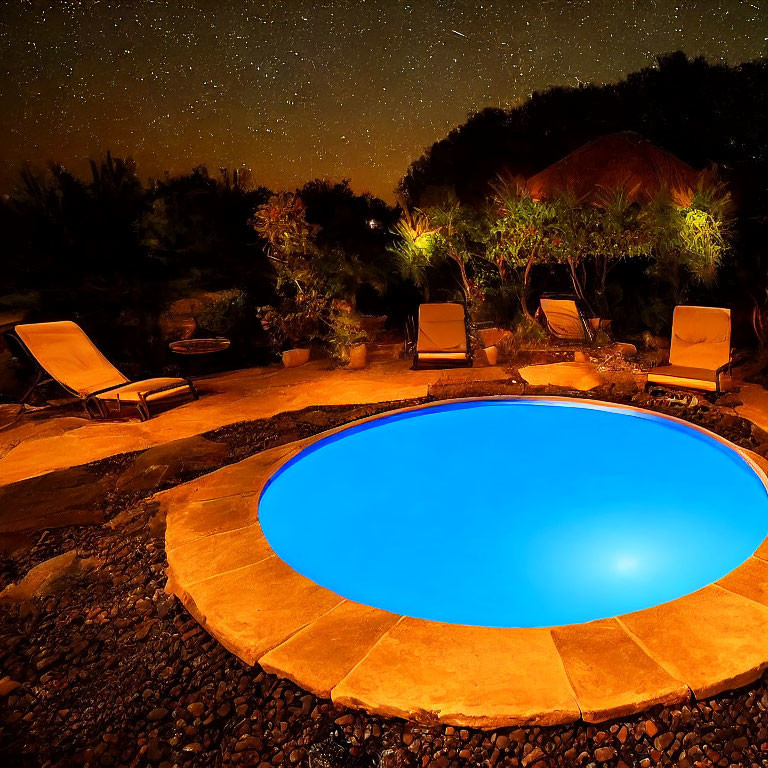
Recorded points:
(515, 513)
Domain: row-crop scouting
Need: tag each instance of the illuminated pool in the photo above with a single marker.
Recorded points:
(515, 513)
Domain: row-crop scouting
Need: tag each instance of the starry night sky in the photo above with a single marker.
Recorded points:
(296, 90)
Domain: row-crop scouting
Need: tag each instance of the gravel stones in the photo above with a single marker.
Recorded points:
(48, 578)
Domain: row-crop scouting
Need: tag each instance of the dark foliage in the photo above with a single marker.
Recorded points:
(705, 114)
(112, 253)
(700, 112)
(359, 225)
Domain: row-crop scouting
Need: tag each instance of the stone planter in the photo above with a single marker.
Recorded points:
(358, 356)
(293, 358)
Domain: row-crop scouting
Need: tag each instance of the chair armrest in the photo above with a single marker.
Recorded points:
(736, 359)
(729, 366)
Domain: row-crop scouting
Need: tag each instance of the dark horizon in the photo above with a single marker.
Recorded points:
(302, 91)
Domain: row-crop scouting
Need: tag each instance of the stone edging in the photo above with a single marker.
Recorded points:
(223, 569)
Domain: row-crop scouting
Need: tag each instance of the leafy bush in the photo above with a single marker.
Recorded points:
(222, 311)
(345, 332)
(297, 321)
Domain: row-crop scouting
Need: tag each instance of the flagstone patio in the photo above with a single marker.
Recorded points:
(223, 569)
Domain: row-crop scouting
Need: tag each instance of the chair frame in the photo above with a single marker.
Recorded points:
(718, 372)
(412, 326)
(590, 333)
(92, 405)
(732, 360)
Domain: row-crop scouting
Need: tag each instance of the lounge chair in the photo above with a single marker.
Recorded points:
(566, 322)
(442, 339)
(700, 349)
(69, 357)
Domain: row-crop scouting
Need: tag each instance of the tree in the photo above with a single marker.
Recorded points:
(618, 235)
(689, 243)
(521, 234)
(444, 233)
(313, 282)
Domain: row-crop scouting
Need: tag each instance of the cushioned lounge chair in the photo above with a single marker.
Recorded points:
(442, 339)
(700, 349)
(69, 357)
(566, 322)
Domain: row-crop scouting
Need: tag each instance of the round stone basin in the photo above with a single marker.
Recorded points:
(515, 513)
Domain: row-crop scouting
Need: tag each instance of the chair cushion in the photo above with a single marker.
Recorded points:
(130, 392)
(701, 337)
(64, 350)
(564, 321)
(442, 355)
(442, 328)
(681, 376)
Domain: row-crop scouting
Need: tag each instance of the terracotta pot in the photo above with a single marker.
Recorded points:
(292, 358)
(357, 356)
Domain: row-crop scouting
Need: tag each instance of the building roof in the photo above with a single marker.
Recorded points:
(622, 159)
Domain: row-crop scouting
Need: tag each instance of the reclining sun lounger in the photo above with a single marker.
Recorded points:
(69, 357)
(700, 349)
(565, 321)
(442, 338)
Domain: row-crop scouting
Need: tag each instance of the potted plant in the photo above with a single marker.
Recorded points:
(346, 339)
(293, 325)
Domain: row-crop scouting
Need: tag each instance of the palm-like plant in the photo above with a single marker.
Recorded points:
(414, 246)
(522, 233)
(618, 235)
(689, 244)
(448, 232)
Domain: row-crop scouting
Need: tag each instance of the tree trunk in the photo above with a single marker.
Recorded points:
(601, 300)
(464, 279)
(524, 292)
(577, 285)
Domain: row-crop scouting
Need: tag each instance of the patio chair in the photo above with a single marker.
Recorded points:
(564, 320)
(700, 349)
(65, 353)
(443, 339)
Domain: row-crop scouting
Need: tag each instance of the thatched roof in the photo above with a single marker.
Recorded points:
(623, 159)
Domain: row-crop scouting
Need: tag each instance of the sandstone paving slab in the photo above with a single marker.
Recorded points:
(252, 609)
(210, 555)
(42, 426)
(246, 477)
(480, 677)
(65, 497)
(610, 674)
(756, 459)
(169, 461)
(325, 651)
(200, 519)
(712, 639)
(255, 393)
(750, 579)
(754, 406)
(46, 578)
(579, 376)
(762, 551)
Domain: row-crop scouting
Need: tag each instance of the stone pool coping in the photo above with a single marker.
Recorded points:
(223, 569)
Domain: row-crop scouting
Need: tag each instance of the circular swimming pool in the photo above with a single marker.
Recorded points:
(515, 513)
